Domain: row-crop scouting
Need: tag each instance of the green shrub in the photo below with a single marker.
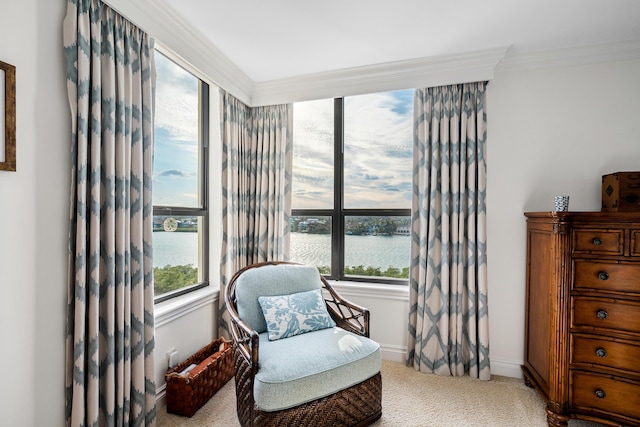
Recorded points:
(172, 277)
(361, 270)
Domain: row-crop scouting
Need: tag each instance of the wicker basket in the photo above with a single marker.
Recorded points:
(187, 393)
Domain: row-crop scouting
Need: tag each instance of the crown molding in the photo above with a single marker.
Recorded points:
(176, 35)
(180, 40)
(572, 56)
(407, 74)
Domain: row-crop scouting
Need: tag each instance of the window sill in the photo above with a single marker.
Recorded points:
(170, 310)
(376, 290)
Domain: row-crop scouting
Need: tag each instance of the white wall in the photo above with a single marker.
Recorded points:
(389, 311)
(33, 212)
(550, 132)
(184, 326)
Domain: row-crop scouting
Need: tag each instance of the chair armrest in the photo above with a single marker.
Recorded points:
(347, 315)
(245, 339)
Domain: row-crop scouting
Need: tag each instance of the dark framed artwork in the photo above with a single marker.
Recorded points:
(8, 111)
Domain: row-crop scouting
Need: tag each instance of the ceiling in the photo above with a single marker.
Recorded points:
(281, 39)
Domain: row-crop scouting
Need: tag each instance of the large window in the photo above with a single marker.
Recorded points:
(180, 205)
(352, 171)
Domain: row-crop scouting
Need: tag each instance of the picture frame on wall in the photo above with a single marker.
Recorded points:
(8, 112)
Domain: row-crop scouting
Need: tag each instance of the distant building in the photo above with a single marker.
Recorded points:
(403, 230)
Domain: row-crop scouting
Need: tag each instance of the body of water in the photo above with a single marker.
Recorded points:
(314, 249)
(368, 251)
(175, 248)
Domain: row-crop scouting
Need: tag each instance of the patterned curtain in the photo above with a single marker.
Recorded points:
(110, 333)
(448, 320)
(256, 187)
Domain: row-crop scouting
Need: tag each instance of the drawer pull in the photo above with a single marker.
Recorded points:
(600, 394)
(597, 241)
(603, 275)
(602, 314)
(601, 352)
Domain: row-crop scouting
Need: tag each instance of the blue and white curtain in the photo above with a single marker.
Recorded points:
(448, 320)
(256, 187)
(110, 333)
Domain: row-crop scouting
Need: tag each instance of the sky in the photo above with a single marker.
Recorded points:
(378, 146)
(378, 141)
(175, 169)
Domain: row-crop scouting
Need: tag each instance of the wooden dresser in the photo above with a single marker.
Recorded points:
(582, 338)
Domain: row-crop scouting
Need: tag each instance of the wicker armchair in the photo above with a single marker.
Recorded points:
(357, 404)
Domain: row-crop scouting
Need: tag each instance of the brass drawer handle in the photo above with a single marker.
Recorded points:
(600, 394)
(602, 314)
(603, 275)
(601, 352)
(597, 241)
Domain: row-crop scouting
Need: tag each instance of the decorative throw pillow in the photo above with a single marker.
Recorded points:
(289, 315)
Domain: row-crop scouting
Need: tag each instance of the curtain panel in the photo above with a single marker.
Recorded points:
(448, 318)
(256, 187)
(110, 333)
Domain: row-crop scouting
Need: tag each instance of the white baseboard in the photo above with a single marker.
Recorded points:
(393, 353)
(389, 352)
(501, 367)
(506, 368)
(161, 394)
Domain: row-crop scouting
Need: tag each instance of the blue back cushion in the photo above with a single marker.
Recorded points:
(269, 280)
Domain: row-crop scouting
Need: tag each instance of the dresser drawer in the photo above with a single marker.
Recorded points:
(594, 350)
(604, 393)
(635, 242)
(598, 241)
(605, 313)
(607, 276)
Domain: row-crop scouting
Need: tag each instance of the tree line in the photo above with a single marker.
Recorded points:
(172, 277)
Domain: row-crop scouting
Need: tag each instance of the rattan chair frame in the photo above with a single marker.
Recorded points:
(358, 405)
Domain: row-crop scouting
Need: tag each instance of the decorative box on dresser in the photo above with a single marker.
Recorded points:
(582, 337)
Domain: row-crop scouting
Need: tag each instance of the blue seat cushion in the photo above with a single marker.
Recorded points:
(306, 367)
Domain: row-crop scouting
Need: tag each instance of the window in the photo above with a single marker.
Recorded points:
(352, 177)
(180, 202)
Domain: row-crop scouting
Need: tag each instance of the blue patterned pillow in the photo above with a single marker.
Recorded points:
(289, 315)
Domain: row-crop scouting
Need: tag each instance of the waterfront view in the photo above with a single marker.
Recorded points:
(369, 251)
(175, 248)
(175, 252)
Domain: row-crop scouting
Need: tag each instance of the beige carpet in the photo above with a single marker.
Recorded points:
(412, 399)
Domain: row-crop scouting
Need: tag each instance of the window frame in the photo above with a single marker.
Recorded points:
(339, 214)
(203, 209)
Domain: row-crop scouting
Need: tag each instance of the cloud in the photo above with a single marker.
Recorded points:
(175, 172)
(378, 146)
(400, 153)
(176, 108)
(176, 139)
